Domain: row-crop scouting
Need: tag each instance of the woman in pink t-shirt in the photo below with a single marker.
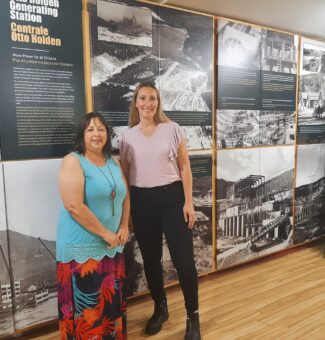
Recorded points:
(155, 160)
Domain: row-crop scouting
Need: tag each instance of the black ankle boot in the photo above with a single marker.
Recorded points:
(192, 327)
(159, 316)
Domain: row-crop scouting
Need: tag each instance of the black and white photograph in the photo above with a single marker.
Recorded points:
(179, 63)
(313, 59)
(116, 133)
(254, 203)
(277, 127)
(33, 203)
(201, 163)
(238, 60)
(311, 114)
(237, 128)
(279, 51)
(185, 61)
(6, 303)
(197, 127)
(124, 24)
(311, 118)
(239, 45)
(198, 137)
(246, 128)
(118, 67)
(310, 193)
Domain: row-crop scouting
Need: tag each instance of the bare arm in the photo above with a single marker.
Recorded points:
(126, 206)
(123, 231)
(71, 186)
(126, 170)
(184, 166)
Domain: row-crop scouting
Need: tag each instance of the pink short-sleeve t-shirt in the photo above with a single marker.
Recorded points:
(152, 160)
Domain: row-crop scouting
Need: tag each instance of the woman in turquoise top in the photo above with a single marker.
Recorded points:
(92, 231)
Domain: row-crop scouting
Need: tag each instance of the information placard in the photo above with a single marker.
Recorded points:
(42, 86)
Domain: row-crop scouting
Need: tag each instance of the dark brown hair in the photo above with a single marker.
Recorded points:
(79, 145)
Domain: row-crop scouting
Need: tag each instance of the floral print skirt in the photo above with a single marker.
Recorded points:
(92, 299)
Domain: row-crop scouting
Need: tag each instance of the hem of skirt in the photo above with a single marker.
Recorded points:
(96, 258)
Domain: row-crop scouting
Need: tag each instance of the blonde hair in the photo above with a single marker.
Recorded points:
(134, 118)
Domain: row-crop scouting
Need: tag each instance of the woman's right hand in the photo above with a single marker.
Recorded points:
(111, 239)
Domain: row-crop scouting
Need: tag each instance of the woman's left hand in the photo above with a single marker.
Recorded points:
(123, 234)
(189, 214)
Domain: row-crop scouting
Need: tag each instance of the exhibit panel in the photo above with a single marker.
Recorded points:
(124, 52)
(254, 203)
(256, 79)
(311, 118)
(33, 203)
(185, 72)
(310, 193)
(42, 85)
(6, 303)
(201, 165)
(256, 85)
(238, 83)
(135, 42)
(258, 162)
(279, 63)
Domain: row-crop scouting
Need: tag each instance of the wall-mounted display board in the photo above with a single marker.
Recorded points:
(201, 164)
(32, 200)
(134, 42)
(6, 308)
(310, 193)
(254, 203)
(311, 118)
(256, 85)
(256, 107)
(255, 144)
(41, 86)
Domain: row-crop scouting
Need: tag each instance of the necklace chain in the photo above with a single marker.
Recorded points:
(112, 186)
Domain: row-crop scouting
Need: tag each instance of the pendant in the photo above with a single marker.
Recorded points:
(113, 195)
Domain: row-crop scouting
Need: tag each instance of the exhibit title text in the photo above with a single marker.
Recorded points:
(33, 34)
(33, 10)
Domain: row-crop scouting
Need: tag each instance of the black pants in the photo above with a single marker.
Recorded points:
(157, 211)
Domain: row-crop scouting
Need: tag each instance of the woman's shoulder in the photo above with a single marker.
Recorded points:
(71, 161)
(129, 133)
(130, 130)
(171, 127)
(72, 157)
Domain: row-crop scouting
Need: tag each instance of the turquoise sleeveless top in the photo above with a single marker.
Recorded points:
(75, 242)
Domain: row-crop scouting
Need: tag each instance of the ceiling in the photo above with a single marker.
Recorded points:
(305, 17)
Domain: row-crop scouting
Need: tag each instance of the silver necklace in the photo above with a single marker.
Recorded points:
(111, 185)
